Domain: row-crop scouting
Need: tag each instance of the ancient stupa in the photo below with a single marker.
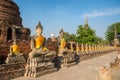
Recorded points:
(11, 23)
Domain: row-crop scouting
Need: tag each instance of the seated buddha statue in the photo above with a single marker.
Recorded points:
(71, 46)
(62, 43)
(15, 56)
(14, 49)
(38, 41)
(62, 47)
(77, 48)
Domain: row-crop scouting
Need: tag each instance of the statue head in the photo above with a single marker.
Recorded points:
(39, 29)
(61, 33)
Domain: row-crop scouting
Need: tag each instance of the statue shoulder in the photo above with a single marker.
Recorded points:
(33, 37)
(63, 39)
(43, 37)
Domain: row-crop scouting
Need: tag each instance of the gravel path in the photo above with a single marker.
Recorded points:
(86, 70)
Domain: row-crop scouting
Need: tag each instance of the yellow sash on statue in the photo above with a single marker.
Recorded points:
(63, 43)
(39, 41)
(16, 49)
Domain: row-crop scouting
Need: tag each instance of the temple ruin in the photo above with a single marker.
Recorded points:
(11, 23)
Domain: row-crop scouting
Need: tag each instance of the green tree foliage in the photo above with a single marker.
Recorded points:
(85, 34)
(110, 33)
(69, 37)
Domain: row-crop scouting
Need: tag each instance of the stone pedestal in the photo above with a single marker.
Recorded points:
(10, 71)
(40, 65)
(12, 58)
(69, 59)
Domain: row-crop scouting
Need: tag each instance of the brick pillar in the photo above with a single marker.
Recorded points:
(4, 35)
(13, 34)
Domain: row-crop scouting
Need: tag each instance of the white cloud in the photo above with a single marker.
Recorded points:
(108, 12)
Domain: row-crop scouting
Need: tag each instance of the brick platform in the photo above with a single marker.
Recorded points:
(9, 71)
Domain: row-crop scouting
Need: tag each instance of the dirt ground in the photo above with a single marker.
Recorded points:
(85, 70)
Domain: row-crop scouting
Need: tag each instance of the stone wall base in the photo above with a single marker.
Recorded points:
(10, 71)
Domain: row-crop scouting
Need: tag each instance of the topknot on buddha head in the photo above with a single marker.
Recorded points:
(39, 29)
(61, 33)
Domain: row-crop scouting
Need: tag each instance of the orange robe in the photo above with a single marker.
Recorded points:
(15, 49)
(63, 43)
(39, 41)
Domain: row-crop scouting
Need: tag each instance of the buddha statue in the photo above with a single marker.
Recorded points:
(62, 39)
(86, 48)
(77, 48)
(15, 56)
(40, 56)
(38, 41)
(14, 49)
(82, 48)
(71, 46)
(89, 49)
(93, 48)
(62, 47)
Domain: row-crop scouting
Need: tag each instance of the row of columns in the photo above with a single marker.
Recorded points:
(85, 48)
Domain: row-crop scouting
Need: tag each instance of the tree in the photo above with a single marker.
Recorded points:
(110, 33)
(85, 34)
(69, 37)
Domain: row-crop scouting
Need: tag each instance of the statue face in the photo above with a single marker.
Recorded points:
(39, 31)
(61, 34)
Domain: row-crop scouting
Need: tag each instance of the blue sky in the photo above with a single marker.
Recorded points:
(68, 14)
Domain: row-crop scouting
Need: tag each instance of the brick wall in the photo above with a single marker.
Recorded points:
(9, 71)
